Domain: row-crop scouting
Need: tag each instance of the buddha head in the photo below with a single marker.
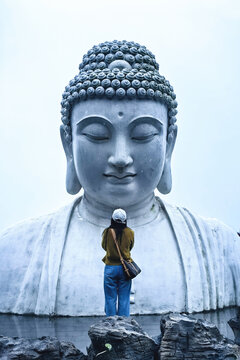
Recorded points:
(118, 130)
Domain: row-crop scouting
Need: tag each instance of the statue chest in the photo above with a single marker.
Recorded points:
(159, 287)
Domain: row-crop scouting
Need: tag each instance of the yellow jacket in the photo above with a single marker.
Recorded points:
(125, 243)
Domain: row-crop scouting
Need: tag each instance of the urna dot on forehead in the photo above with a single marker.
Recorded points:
(120, 70)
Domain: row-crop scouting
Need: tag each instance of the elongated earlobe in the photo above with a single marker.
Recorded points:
(165, 184)
(73, 185)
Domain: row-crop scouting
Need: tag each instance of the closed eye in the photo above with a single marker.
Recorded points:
(144, 137)
(96, 137)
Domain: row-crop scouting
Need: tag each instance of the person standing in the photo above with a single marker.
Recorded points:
(116, 284)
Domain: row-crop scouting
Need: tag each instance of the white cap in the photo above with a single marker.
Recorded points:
(119, 215)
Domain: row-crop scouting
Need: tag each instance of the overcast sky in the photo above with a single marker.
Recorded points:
(197, 46)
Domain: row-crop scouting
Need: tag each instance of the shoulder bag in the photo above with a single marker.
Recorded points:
(130, 267)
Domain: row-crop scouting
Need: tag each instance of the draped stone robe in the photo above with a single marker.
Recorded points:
(34, 251)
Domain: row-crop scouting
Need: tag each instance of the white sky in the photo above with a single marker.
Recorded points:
(197, 46)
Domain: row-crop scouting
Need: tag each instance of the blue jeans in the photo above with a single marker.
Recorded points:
(116, 285)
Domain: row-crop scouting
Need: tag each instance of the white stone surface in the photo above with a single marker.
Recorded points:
(52, 264)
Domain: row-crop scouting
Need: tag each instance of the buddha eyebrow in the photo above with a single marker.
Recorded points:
(147, 119)
(104, 121)
(92, 119)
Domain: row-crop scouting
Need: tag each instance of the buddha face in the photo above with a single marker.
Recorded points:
(118, 148)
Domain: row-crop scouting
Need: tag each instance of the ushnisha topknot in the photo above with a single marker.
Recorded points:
(118, 69)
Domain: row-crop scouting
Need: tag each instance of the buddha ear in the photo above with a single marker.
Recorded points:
(73, 185)
(165, 184)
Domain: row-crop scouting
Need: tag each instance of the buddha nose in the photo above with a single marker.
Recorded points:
(120, 157)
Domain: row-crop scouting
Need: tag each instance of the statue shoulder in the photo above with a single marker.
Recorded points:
(28, 227)
(213, 226)
(32, 227)
(217, 227)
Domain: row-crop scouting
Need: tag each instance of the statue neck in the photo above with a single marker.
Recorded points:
(100, 214)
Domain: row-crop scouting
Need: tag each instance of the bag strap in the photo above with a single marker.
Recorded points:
(119, 252)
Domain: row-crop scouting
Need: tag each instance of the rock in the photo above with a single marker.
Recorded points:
(184, 337)
(235, 325)
(126, 337)
(44, 348)
(121, 338)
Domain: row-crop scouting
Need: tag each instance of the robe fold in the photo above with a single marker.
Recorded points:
(32, 254)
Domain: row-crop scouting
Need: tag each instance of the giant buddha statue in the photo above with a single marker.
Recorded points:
(118, 132)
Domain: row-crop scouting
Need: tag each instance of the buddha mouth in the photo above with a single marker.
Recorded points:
(118, 176)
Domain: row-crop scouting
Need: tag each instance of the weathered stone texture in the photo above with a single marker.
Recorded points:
(184, 337)
(128, 340)
(44, 348)
(235, 325)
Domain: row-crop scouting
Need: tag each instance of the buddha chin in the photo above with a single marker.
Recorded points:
(118, 133)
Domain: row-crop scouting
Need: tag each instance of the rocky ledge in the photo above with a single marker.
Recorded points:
(120, 338)
(126, 338)
(44, 348)
(184, 337)
(235, 325)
